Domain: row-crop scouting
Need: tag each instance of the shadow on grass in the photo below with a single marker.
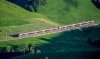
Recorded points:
(69, 44)
(70, 40)
(15, 36)
(66, 40)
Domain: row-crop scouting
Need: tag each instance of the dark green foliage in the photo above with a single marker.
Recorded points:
(8, 49)
(86, 30)
(3, 49)
(95, 41)
(18, 48)
(36, 3)
(29, 4)
(42, 2)
(30, 47)
(71, 3)
(21, 48)
(96, 3)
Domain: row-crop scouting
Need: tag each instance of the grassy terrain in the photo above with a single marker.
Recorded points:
(13, 19)
(65, 44)
(57, 42)
(70, 11)
(11, 14)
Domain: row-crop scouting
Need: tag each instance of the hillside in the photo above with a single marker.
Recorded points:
(67, 43)
(62, 12)
(70, 11)
(13, 19)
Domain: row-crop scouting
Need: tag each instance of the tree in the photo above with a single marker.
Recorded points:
(8, 49)
(21, 48)
(32, 50)
(96, 3)
(35, 4)
(30, 46)
(43, 2)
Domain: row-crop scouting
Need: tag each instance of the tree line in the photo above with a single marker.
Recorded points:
(35, 4)
(30, 5)
(26, 49)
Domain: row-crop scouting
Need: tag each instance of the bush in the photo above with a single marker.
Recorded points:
(22, 48)
(8, 49)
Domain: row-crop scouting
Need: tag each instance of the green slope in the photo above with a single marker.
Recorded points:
(62, 12)
(58, 11)
(14, 20)
(70, 11)
(11, 14)
(61, 42)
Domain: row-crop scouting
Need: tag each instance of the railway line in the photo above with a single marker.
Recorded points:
(54, 30)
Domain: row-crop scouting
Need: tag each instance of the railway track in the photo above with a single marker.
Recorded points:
(54, 30)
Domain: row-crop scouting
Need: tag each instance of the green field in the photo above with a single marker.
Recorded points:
(70, 11)
(15, 20)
